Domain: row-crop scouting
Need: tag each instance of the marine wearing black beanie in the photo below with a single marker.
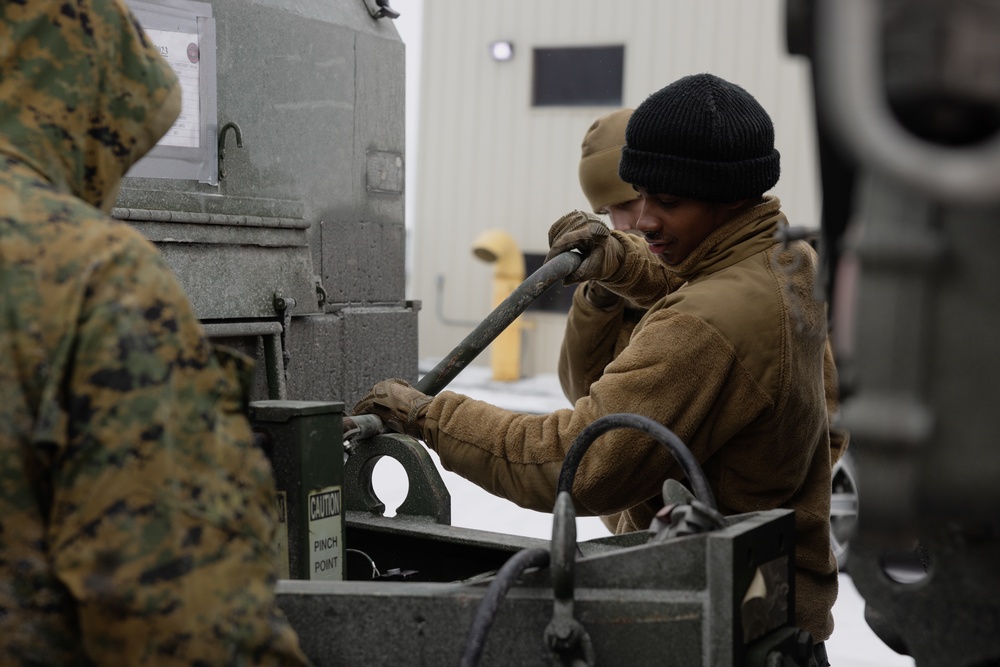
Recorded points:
(702, 138)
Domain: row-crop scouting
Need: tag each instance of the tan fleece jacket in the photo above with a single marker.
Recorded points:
(594, 337)
(732, 362)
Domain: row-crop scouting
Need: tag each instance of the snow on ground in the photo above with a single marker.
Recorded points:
(853, 644)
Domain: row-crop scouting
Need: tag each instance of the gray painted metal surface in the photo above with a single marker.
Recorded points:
(673, 603)
(311, 207)
(427, 496)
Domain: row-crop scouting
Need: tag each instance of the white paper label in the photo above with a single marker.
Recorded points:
(181, 51)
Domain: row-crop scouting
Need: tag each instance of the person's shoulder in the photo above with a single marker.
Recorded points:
(72, 249)
(730, 292)
(68, 227)
(741, 302)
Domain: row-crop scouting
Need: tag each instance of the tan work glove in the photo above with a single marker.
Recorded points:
(400, 407)
(587, 233)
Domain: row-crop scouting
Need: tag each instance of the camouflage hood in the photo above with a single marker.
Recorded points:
(83, 92)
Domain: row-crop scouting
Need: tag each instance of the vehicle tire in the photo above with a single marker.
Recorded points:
(843, 507)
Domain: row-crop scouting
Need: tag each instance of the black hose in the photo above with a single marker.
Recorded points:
(488, 606)
(659, 432)
(502, 316)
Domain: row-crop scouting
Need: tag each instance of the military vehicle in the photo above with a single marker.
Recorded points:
(907, 98)
(278, 201)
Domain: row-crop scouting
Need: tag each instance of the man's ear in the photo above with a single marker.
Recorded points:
(739, 203)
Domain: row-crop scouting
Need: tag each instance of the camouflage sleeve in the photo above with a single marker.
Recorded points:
(161, 523)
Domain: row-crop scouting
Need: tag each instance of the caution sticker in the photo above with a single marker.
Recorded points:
(326, 540)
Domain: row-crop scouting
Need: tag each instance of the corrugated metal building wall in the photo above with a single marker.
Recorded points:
(488, 158)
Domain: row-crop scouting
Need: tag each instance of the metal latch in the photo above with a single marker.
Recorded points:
(380, 9)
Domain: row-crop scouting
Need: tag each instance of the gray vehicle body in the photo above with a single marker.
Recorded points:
(309, 214)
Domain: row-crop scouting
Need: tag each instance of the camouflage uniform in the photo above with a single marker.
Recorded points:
(136, 517)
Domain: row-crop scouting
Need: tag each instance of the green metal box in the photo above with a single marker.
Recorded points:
(304, 441)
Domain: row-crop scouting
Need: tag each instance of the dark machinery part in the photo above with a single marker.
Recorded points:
(296, 256)
(427, 497)
(487, 610)
(566, 637)
(380, 9)
(909, 94)
(618, 593)
(680, 520)
(577, 628)
(837, 167)
(223, 133)
(683, 602)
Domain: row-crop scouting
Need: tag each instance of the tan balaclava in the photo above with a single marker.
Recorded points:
(601, 150)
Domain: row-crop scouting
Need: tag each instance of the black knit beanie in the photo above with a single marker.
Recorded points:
(702, 138)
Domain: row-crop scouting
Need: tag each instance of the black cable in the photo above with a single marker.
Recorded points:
(689, 464)
(488, 606)
(522, 560)
(375, 573)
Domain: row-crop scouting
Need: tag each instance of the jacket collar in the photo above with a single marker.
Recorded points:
(747, 234)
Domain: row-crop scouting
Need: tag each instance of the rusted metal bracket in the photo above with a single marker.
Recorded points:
(428, 497)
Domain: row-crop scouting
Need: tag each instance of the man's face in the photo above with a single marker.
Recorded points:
(674, 226)
(624, 215)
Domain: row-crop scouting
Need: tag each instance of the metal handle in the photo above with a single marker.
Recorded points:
(567, 639)
(380, 9)
(223, 131)
(851, 89)
(560, 266)
(502, 316)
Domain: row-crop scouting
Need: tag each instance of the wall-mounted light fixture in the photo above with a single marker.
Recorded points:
(501, 51)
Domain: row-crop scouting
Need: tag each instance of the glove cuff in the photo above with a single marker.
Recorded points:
(414, 426)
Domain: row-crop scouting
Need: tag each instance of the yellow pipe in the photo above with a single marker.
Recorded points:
(498, 247)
